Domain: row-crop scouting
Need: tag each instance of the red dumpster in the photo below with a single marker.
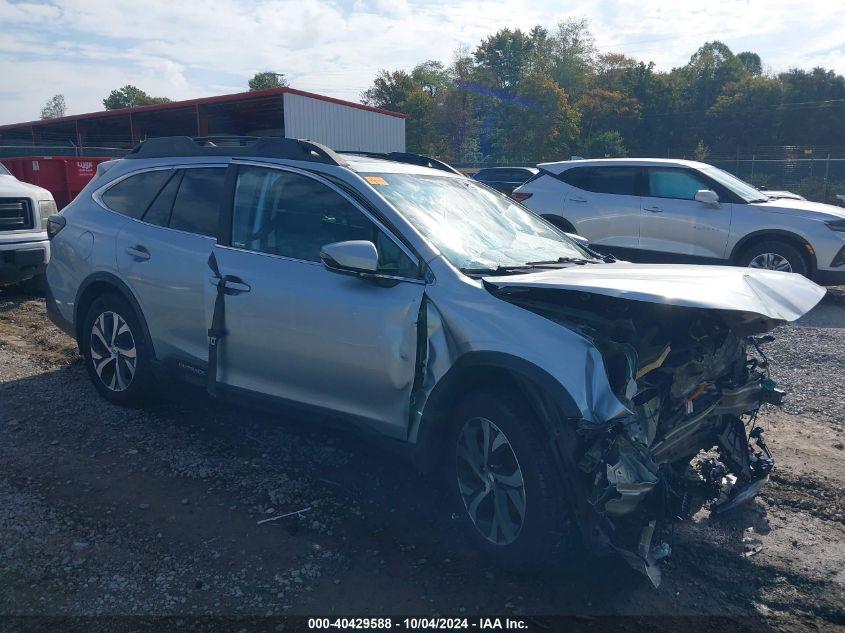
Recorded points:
(62, 176)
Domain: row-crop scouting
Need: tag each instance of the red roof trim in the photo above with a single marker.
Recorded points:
(173, 105)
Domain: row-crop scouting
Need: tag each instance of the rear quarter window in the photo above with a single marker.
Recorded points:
(131, 196)
(620, 181)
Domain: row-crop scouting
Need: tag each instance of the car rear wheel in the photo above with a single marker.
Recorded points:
(505, 486)
(775, 255)
(115, 352)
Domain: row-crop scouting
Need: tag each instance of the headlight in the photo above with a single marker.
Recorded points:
(836, 225)
(46, 208)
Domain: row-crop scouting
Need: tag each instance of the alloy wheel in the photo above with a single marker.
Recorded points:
(490, 481)
(771, 261)
(113, 352)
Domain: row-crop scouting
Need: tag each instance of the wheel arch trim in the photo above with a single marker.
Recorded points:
(540, 389)
(774, 234)
(117, 284)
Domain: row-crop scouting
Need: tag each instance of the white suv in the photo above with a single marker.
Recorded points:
(661, 210)
(24, 248)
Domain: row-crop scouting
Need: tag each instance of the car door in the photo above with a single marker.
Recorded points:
(163, 258)
(673, 222)
(603, 204)
(300, 332)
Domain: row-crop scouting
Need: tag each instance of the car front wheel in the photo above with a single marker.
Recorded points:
(775, 255)
(506, 488)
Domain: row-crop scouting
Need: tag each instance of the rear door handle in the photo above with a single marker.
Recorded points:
(231, 284)
(653, 209)
(138, 253)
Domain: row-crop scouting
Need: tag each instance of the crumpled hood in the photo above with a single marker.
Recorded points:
(802, 208)
(774, 295)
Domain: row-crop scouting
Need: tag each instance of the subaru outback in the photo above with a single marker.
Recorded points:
(565, 397)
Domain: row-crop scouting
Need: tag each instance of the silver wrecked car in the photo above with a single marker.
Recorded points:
(563, 395)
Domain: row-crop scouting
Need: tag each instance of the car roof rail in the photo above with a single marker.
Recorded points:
(247, 146)
(410, 159)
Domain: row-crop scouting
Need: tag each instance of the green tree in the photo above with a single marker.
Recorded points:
(542, 124)
(389, 90)
(746, 113)
(458, 118)
(751, 62)
(54, 108)
(418, 95)
(573, 56)
(607, 145)
(267, 79)
(432, 77)
(603, 110)
(709, 69)
(130, 97)
(506, 57)
(525, 95)
(813, 107)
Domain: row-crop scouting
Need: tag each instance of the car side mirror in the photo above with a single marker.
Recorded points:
(355, 257)
(706, 196)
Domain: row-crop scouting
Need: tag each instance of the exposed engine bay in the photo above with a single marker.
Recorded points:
(693, 381)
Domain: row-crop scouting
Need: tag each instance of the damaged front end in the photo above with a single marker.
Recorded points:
(692, 381)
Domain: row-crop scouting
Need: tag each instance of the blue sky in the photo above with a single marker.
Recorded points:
(185, 49)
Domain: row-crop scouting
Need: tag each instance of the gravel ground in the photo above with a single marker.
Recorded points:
(155, 511)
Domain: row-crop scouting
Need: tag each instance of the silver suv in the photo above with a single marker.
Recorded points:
(561, 394)
(662, 210)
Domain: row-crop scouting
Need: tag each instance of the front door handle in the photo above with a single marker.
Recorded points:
(577, 199)
(231, 285)
(138, 253)
(653, 209)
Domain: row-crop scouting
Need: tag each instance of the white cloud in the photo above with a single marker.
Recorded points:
(85, 48)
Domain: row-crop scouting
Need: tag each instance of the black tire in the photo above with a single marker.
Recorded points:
(561, 223)
(546, 529)
(796, 260)
(116, 383)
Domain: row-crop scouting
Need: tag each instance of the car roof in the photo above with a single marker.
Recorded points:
(533, 170)
(363, 164)
(561, 166)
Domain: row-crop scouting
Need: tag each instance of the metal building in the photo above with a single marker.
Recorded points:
(341, 125)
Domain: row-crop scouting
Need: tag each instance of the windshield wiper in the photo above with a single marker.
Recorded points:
(498, 270)
(560, 260)
(527, 266)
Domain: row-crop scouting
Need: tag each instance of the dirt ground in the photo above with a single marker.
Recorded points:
(155, 511)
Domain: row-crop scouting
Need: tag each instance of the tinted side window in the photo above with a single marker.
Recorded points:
(674, 183)
(132, 195)
(287, 214)
(510, 175)
(159, 211)
(620, 181)
(197, 205)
